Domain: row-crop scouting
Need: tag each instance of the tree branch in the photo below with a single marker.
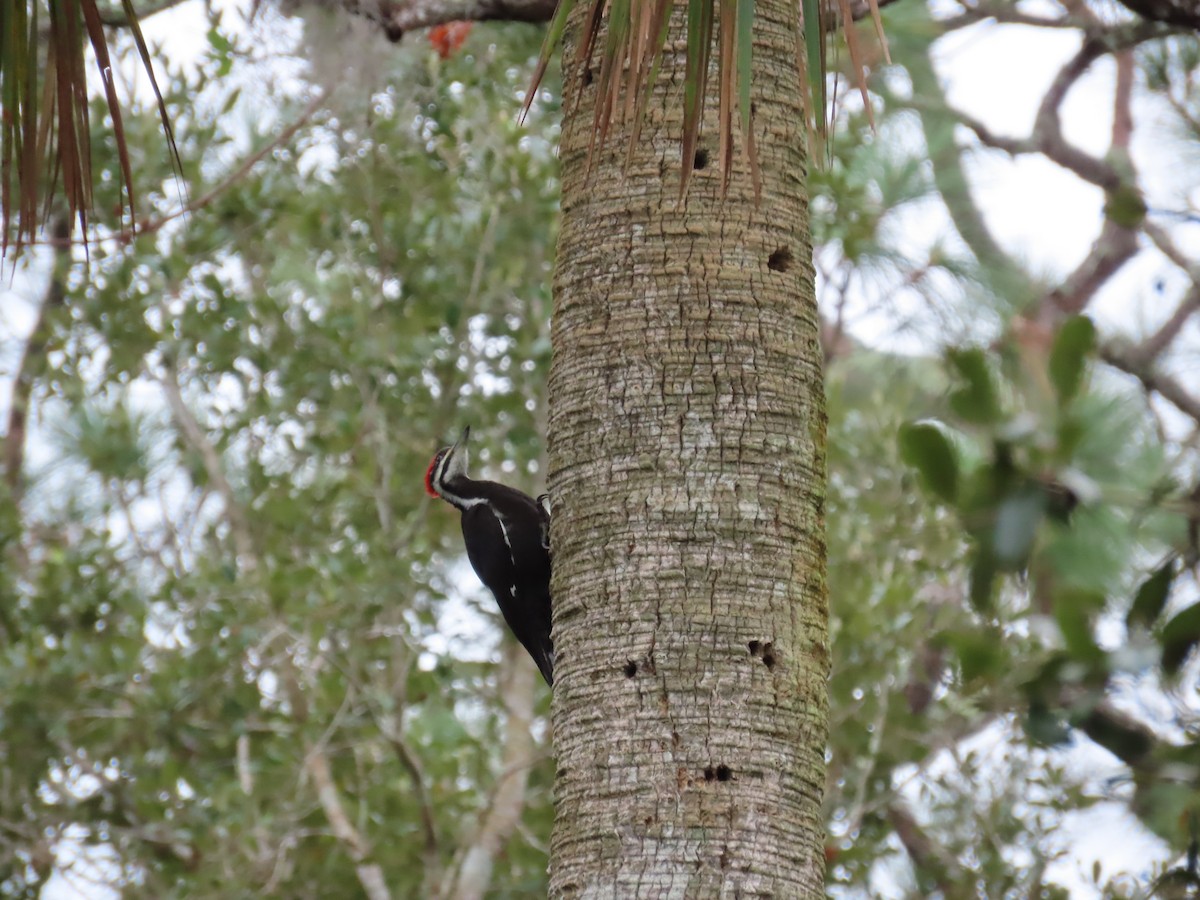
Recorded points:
(926, 855)
(1127, 359)
(33, 357)
(1129, 740)
(397, 17)
(1047, 125)
(1183, 13)
(1004, 13)
(1122, 124)
(502, 816)
(1047, 136)
(412, 764)
(199, 442)
(1113, 247)
(370, 875)
(952, 183)
(114, 16)
(1167, 246)
(1156, 344)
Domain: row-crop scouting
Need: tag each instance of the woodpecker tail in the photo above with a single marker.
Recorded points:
(544, 657)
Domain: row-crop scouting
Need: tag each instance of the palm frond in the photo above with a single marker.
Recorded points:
(135, 29)
(877, 21)
(856, 58)
(632, 55)
(745, 59)
(46, 130)
(695, 83)
(554, 33)
(650, 60)
(810, 56)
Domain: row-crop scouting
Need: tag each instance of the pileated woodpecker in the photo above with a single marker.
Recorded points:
(507, 534)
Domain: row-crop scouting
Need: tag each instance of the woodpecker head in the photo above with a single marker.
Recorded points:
(448, 464)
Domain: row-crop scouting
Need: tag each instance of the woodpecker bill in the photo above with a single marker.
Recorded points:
(507, 534)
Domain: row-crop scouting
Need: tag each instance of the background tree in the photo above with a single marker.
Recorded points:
(150, 725)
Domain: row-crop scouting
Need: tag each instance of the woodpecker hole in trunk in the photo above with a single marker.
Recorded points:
(700, 160)
(764, 651)
(780, 260)
(587, 76)
(630, 669)
(724, 773)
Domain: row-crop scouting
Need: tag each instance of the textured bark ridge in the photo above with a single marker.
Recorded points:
(687, 466)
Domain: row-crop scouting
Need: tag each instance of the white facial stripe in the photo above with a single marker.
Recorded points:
(439, 476)
(452, 465)
(460, 502)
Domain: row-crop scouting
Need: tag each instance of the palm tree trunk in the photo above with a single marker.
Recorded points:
(687, 466)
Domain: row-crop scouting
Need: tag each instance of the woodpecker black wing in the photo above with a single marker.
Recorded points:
(503, 536)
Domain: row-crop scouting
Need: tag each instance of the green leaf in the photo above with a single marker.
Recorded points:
(220, 44)
(699, 44)
(983, 582)
(814, 64)
(1179, 637)
(553, 35)
(981, 653)
(927, 449)
(976, 400)
(1074, 611)
(1046, 727)
(1068, 359)
(1151, 597)
(1017, 522)
(745, 56)
(726, 76)
(222, 50)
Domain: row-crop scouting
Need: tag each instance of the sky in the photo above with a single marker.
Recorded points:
(1036, 210)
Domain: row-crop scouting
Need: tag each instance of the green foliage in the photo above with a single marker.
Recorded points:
(380, 279)
(1063, 504)
(1179, 637)
(975, 399)
(1045, 498)
(200, 592)
(1151, 597)
(1076, 341)
(926, 448)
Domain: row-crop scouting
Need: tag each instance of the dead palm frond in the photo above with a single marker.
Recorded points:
(633, 51)
(44, 125)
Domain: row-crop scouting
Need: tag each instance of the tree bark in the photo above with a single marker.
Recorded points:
(687, 467)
